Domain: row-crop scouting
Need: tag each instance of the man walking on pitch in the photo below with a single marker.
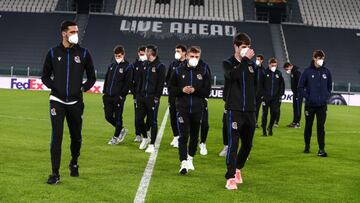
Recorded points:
(118, 79)
(240, 106)
(67, 63)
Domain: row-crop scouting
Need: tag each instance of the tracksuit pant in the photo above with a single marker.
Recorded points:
(297, 105)
(73, 114)
(258, 106)
(274, 106)
(204, 124)
(225, 128)
(137, 130)
(172, 111)
(310, 113)
(113, 109)
(279, 113)
(241, 125)
(147, 107)
(188, 127)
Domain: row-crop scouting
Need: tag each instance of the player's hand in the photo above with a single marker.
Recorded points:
(250, 54)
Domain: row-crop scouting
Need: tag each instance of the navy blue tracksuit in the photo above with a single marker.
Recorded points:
(117, 83)
(148, 99)
(241, 108)
(67, 66)
(315, 86)
(272, 88)
(189, 106)
(138, 72)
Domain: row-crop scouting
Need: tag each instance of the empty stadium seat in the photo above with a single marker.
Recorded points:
(331, 13)
(227, 10)
(35, 6)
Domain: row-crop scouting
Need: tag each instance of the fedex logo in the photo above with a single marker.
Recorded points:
(29, 84)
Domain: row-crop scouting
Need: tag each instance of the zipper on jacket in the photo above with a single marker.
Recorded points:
(244, 88)
(272, 84)
(147, 81)
(190, 94)
(113, 78)
(67, 75)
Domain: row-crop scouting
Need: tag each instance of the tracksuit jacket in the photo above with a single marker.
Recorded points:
(68, 65)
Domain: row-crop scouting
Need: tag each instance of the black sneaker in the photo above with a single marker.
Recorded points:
(264, 132)
(53, 179)
(270, 131)
(74, 170)
(322, 153)
(291, 125)
(307, 150)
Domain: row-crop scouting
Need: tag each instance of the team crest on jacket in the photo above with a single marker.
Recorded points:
(153, 69)
(183, 76)
(53, 112)
(234, 125)
(181, 120)
(324, 76)
(312, 76)
(121, 70)
(199, 76)
(292, 75)
(59, 58)
(277, 75)
(251, 70)
(77, 59)
(267, 75)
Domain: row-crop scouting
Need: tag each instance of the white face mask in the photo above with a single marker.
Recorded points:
(119, 60)
(177, 55)
(288, 71)
(273, 69)
(74, 39)
(257, 62)
(320, 62)
(143, 58)
(243, 52)
(193, 62)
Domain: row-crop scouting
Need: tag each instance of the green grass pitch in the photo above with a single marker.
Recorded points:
(277, 170)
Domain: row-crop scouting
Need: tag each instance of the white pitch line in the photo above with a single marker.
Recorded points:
(145, 180)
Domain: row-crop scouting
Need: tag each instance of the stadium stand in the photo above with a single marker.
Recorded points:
(340, 45)
(331, 13)
(34, 6)
(214, 10)
(26, 38)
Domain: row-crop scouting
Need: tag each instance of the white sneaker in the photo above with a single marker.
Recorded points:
(175, 142)
(203, 150)
(190, 165)
(150, 149)
(144, 143)
(137, 138)
(113, 141)
(183, 168)
(122, 135)
(224, 151)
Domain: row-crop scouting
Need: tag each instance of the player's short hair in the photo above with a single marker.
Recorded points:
(241, 38)
(272, 60)
(153, 49)
(260, 56)
(119, 49)
(65, 25)
(318, 54)
(194, 49)
(141, 48)
(181, 46)
(287, 64)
